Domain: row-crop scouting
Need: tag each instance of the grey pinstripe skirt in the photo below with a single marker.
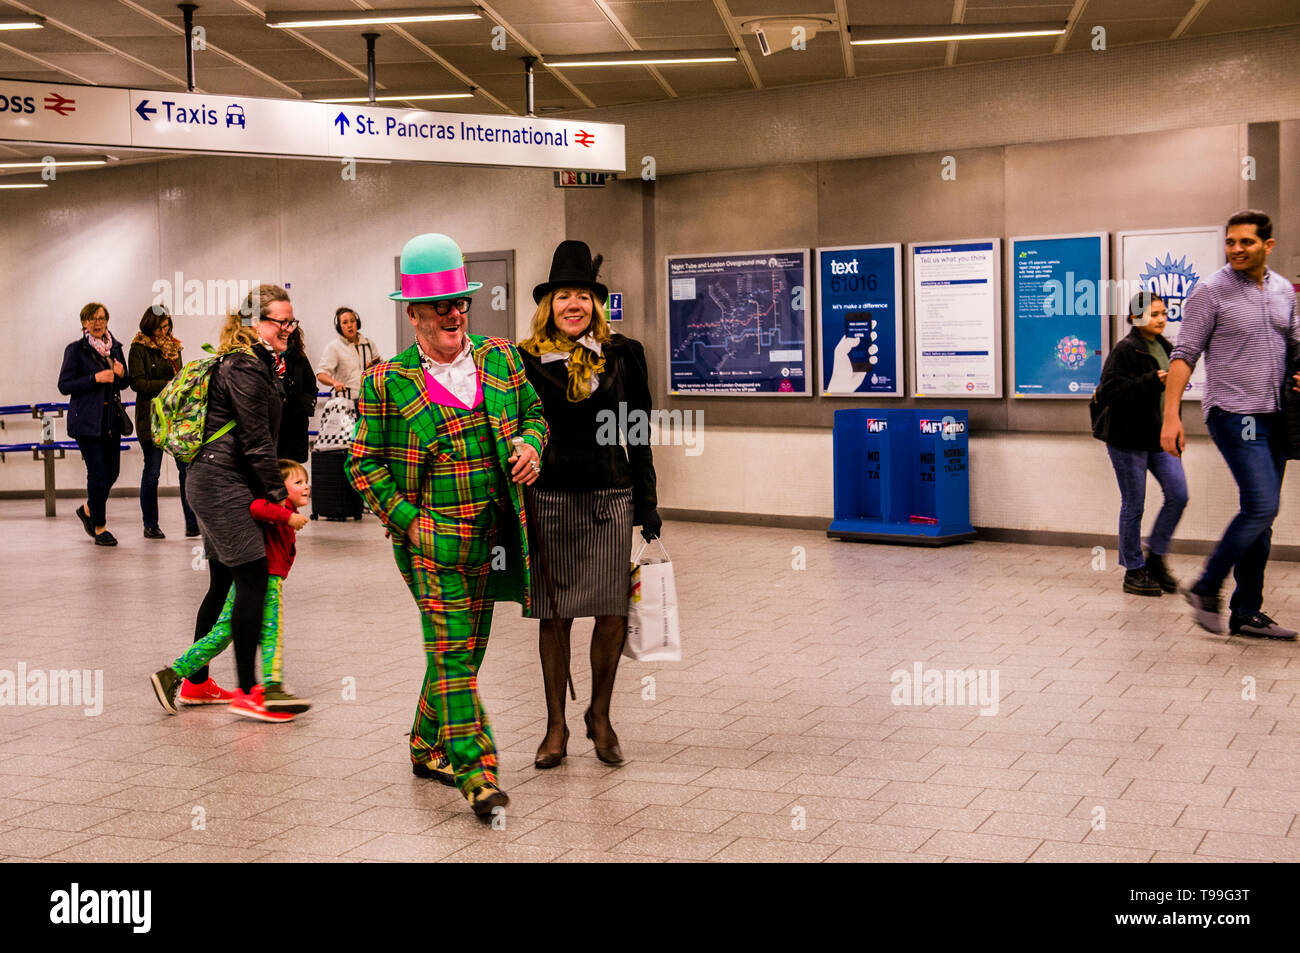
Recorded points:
(585, 540)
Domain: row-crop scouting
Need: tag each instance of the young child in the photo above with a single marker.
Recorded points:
(269, 701)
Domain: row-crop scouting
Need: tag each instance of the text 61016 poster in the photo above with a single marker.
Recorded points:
(860, 320)
(738, 324)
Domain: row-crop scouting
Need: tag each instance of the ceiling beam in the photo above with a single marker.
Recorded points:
(174, 28)
(846, 48)
(741, 51)
(1076, 14)
(1188, 20)
(630, 40)
(958, 15)
(531, 50)
(93, 41)
(47, 64)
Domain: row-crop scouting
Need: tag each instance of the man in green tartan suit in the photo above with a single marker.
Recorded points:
(448, 433)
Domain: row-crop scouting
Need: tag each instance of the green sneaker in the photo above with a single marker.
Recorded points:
(166, 683)
(275, 698)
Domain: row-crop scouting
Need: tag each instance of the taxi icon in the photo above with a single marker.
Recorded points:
(235, 116)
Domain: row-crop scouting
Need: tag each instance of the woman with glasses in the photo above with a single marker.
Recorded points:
(155, 358)
(93, 375)
(238, 464)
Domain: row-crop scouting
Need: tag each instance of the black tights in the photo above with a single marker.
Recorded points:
(245, 618)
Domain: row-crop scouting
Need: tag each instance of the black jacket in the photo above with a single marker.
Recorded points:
(1126, 404)
(150, 372)
(91, 411)
(246, 389)
(573, 459)
(299, 404)
(1291, 407)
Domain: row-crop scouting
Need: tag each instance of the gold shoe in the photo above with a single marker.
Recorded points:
(483, 800)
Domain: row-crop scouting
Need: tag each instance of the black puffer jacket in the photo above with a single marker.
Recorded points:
(1126, 405)
(245, 389)
(573, 460)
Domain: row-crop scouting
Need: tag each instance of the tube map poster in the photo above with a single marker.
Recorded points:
(738, 324)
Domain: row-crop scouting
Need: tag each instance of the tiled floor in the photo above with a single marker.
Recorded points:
(1122, 732)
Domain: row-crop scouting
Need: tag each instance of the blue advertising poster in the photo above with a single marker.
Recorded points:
(860, 320)
(1059, 313)
(738, 324)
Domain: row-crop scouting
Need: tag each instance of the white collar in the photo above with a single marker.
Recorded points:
(587, 341)
(425, 358)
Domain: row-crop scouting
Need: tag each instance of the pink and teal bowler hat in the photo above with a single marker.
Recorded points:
(432, 267)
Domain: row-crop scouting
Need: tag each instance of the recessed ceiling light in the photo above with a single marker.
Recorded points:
(642, 58)
(25, 185)
(299, 19)
(884, 35)
(57, 163)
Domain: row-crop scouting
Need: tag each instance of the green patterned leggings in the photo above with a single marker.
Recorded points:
(214, 643)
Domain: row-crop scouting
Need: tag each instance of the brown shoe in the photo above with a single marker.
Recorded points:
(484, 800)
(550, 759)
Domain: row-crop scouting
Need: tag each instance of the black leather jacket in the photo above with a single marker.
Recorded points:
(573, 459)
(246, 389)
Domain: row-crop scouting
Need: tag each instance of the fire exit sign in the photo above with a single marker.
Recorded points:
(569, 179)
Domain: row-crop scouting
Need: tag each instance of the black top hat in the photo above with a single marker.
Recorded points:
(572, 267)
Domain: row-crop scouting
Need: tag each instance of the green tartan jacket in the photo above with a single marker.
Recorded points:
(397, 439)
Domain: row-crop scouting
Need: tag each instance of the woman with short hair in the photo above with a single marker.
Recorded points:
(93, 375)
(588, 496)
(154, 359)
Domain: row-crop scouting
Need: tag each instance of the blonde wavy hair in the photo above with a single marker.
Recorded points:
(238, 336)
(543, 323)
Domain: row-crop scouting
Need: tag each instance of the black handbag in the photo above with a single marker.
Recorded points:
(125, 426)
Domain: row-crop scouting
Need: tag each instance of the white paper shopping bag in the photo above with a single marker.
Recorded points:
(652, 632)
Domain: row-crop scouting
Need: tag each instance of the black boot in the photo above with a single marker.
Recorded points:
(1140, 583)
(1159, 572)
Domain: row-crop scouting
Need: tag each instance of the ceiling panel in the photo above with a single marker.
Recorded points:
(1102, 11)
(557, 27)
(687, 18)
(981, 51)
(1229, 16)
(888, 12)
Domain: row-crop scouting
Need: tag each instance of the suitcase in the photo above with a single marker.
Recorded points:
(332, 496)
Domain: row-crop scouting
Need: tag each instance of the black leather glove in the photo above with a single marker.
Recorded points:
(651, 525)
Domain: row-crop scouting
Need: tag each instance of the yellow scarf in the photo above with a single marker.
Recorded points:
(584, 363)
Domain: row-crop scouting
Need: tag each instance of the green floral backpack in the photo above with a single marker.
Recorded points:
(180, 412)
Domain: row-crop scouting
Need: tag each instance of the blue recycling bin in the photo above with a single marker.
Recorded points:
(901, 476)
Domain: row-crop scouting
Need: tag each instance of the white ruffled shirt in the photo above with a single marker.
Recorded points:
(460, 376)
(587, 341)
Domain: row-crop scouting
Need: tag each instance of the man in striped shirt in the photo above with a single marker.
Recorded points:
(1243, 318)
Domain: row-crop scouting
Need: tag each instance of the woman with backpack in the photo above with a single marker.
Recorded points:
(1128, 410)
(236, 464)
(93, 375)
(155, 359)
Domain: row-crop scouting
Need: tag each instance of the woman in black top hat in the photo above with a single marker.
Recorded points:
(590, 493)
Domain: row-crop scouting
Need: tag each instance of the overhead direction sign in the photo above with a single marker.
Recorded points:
(188, 122)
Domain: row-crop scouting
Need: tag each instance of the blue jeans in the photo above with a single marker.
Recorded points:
(1254, 447)
(153, 456)
(1131, 468)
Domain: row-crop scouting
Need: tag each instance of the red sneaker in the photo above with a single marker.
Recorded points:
(250, 706)
(204, 693)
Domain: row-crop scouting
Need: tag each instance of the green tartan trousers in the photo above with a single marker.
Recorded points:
(450, 578)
